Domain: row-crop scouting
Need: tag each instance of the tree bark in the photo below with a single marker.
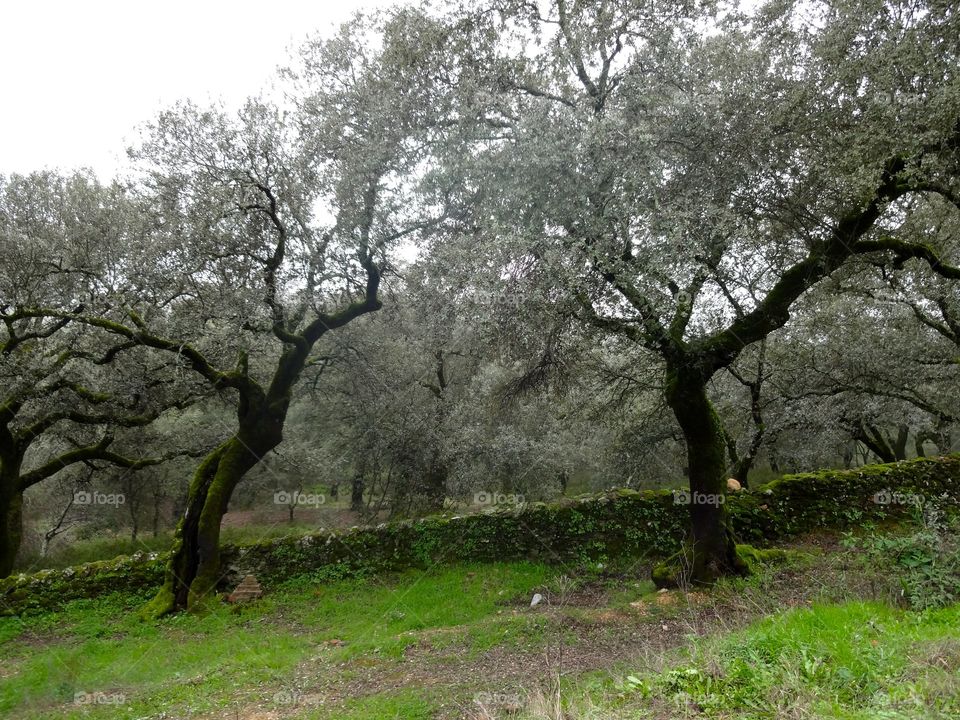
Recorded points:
(875, 442)
(157, 498)
(437, 471)
(193, 570)
(11, 517)
(900, 444)
(712, 550)
(849, 452)
(356, 493)
(741, 470)
(436, 484)
(11, 507)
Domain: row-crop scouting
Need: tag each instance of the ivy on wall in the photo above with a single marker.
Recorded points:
(597, 528)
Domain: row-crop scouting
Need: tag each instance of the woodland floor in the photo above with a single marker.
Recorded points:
(463, 642)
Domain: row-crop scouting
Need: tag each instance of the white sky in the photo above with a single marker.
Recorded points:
(80, 76)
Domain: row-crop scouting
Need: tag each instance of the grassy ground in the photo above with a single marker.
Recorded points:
(854, 660)
(801, 640)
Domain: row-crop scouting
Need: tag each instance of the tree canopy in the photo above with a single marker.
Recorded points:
(639, 242)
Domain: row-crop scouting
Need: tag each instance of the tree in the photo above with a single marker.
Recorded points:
(885, 377)
(269, 231)
(743, 459)
(66, 393)
(684, 190)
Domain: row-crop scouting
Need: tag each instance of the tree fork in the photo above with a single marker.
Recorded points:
(182, 566)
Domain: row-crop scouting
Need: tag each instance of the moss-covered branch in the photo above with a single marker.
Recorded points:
(903, 251)
(772, 313)
(96, 451)
(81, 418)
(369, 302)
(140, 335)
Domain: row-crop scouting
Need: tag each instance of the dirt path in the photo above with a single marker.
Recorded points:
(582, 632)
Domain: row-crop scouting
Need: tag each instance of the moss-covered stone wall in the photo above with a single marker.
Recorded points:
(593, 528)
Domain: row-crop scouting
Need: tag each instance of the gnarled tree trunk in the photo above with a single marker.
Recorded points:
(356, 493)
(11, 506)
(194, 567)
(11, 511)
(711, 550)
(193, 571)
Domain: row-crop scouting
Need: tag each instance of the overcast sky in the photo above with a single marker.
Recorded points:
(80, 76)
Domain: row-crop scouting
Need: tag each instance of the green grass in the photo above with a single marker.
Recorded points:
(406, 704)
(856, 661)
(99, 646)
(354, 642)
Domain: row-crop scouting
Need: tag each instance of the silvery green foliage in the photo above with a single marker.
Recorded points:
(72, 397)
(261, 220)
(64, 383)
(869, 354)
(575, 180)
(416, 404)
(621, 140)
(880, 368)
(657, 171)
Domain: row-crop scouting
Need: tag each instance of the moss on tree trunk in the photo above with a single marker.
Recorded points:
(711, 550)
(193, 571)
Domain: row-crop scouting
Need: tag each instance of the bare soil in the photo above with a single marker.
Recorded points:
(582, 633)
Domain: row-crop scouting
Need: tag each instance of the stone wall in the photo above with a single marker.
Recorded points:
(619, 523)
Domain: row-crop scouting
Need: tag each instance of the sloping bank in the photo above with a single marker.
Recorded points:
(594, 528)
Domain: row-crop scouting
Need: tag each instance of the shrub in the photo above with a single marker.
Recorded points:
(921, 568)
